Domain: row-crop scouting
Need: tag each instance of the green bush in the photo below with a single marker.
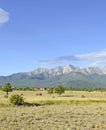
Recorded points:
(17, 100)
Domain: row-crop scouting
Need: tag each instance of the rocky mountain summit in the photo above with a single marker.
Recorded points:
(60, 70)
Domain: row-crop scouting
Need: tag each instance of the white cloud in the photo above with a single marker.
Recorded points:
(88, 59)
(4, 16)
(58, 60)
(92, 56)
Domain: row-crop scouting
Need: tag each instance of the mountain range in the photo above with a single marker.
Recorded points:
(68, 76)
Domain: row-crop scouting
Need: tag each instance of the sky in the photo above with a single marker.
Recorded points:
(50, 33)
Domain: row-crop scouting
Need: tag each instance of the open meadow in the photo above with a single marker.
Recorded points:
(73, 110)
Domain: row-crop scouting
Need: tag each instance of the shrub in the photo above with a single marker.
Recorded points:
(17, 100)
(6, 96)
(83, 96)
(39, 94)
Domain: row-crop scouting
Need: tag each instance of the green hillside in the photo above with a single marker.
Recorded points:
(73, 79)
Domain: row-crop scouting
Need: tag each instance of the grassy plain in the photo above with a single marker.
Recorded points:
(74, 110)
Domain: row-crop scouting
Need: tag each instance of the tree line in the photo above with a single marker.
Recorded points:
(57, 89)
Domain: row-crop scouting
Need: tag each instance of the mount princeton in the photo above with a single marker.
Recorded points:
(68, 76)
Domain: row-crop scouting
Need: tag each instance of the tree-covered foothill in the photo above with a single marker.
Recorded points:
(90, 89)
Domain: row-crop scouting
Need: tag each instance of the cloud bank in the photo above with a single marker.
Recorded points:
(59, 60)
(88, 59)
(4, 16)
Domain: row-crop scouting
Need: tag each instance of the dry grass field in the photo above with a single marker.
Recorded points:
(74, 110)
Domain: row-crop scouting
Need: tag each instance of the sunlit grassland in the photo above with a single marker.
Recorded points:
(76, 116)
(73, 110)
(67, 97)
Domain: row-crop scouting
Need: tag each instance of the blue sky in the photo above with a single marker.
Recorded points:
(49, 33)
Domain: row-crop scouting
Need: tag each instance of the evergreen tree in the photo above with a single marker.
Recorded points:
(59, 90)
(7, 88)
(50, 91)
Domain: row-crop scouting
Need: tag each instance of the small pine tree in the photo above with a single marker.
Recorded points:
(50, 91)
(59, 90)
(7, 88)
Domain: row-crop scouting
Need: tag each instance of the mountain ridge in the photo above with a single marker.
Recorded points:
(69, 76)
(67, 69)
